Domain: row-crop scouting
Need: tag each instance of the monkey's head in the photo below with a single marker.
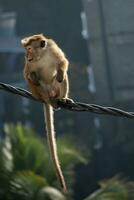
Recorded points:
(35, 46)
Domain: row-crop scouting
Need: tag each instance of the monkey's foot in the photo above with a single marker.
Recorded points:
(54, 104)
(66, 100)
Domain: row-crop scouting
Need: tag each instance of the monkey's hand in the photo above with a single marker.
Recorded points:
(34, 77)
(60, 75)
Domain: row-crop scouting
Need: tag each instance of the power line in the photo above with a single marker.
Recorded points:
(70, 105)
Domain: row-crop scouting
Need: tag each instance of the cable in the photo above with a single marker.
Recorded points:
(70, 105)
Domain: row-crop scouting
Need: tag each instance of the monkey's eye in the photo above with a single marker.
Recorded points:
(42, 43)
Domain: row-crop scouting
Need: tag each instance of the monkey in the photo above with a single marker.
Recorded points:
(45, 71)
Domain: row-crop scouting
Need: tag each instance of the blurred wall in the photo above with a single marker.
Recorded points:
(110, 40)
(111, 45)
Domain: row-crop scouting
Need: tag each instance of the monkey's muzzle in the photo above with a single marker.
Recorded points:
(29, 54)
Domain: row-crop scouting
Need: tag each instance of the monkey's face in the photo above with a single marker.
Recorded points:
(35, 47)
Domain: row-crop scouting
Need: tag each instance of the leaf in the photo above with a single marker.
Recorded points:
(28, 149)
(112, 189)
(68, 151)
(6, 165)
(6, 154)
(30, 153)
(26, 184)
(50, 193)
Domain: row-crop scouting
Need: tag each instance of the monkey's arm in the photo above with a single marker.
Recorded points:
(62, 70)
(35, 78)
(60, 60)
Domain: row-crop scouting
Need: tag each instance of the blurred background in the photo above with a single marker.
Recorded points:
(98, 38)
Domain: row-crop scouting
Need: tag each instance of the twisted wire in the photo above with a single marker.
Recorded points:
(70, 105)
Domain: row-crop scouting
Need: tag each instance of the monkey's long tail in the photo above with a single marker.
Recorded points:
(49, 119)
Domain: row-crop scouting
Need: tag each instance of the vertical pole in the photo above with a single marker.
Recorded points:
(105, 48)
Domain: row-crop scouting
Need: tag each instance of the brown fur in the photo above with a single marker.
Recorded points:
(46, 73)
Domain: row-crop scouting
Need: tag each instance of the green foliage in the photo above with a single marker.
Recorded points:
(113, 189)
(69, 150)
(26, 185)
(49, 193)
(28, 150)
(70, 156)
(30, 153)
(26, 170)
(6, 166)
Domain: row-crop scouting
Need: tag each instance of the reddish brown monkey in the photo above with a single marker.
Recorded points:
(46, 73)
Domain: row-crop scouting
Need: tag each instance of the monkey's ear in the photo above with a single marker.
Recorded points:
(43, 43)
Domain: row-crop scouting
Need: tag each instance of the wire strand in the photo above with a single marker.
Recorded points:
(70, 105)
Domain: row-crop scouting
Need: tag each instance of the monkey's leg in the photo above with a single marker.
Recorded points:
(62, 94)
(54, 94)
